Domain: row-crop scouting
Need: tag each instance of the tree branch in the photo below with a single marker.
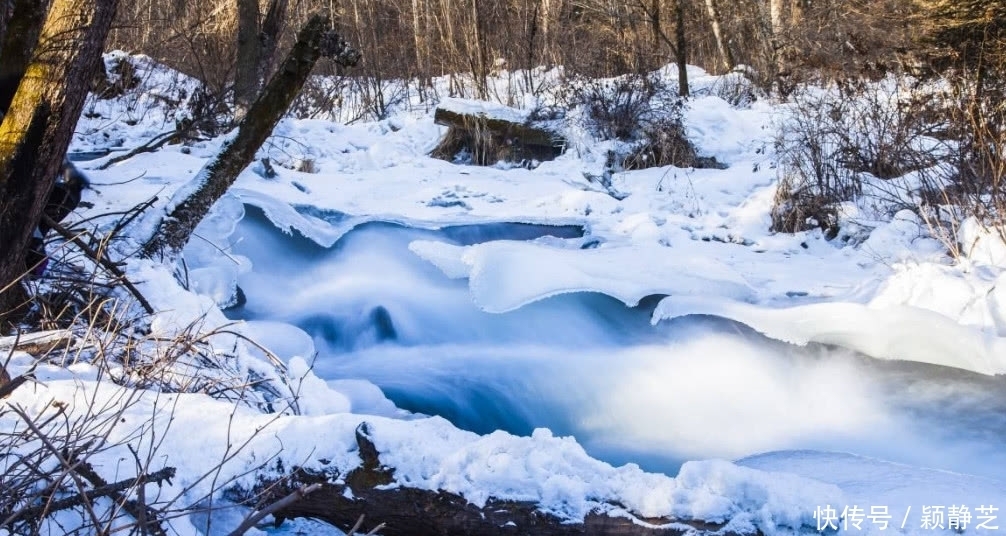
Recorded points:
(285, 502)
(98, 492)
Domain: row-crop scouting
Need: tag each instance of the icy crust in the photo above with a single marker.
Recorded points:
(427, 453)
(895, 331)
(506, 275)
(287, 219)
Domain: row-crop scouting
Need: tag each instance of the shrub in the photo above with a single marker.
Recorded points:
(663, 143)
(833, 142)
(619, 107)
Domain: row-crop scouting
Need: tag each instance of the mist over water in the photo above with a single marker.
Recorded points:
(588, 366)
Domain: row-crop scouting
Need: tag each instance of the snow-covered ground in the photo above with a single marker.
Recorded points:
(833, 375)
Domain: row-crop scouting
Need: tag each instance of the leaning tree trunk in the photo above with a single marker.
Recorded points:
(38, 126)
(313, 41)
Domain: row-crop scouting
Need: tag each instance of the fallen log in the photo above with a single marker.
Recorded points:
(369, 491)
(489, 138)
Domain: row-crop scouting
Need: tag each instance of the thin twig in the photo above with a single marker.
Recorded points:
(101, 491)
(100, 259)
(285, 502)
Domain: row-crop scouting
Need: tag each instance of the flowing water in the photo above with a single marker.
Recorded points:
(588, 366)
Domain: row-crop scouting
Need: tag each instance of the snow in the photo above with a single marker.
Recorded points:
(484, 108)
(543, 338)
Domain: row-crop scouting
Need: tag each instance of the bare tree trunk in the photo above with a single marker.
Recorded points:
(417, 35)
(546, 18)
(775, 16)
(272, 27)
(480, 66)
(313, 41)
(681, 46)
(654, 15)
(19, 41)
(38, 127)
(721, 44)
(796, 11)
(5, 12)
(246, 82)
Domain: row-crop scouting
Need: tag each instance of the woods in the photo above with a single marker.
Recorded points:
(624, 66)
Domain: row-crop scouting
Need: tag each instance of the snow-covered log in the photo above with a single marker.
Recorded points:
(491, 134)
(369, 491)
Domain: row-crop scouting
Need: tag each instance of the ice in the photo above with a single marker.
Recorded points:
(433, 454)
(506, 275)
(895, 332)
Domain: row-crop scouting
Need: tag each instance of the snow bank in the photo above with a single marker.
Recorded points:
(895, 332)
(426, 453)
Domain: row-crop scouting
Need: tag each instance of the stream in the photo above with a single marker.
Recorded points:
(586, 365)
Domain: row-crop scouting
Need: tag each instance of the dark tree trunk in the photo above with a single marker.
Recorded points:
(38, 127)
(681, 47)
(256, 49)
(272, 27)
(215, 178)
(246, 81)
(19, 39)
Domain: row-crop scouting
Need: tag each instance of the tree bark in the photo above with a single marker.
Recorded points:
(417, 39)
(726, 57)
(681, 47)
(37, 129)
(20, 38)
(313, 41)
(272, 27)
(775, 16)
(796, 11)
(246, 81)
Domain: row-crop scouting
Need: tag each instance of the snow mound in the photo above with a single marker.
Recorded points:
(897, 332)
(506, 275)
